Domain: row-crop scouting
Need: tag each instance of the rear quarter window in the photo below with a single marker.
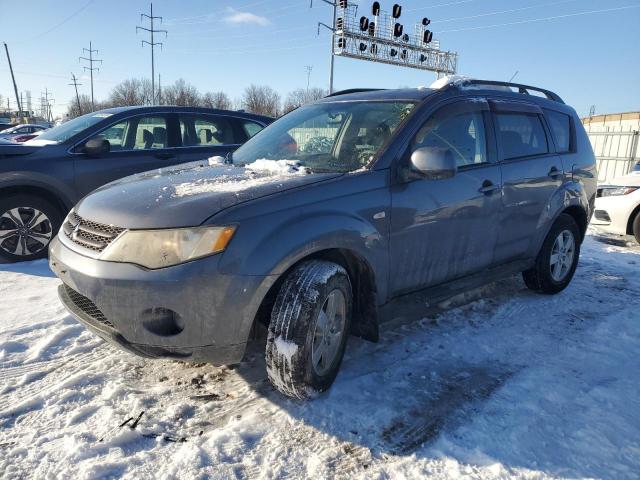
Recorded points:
(521, 135)
(560, 125)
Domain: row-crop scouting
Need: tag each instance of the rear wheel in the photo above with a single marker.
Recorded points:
(309, 328)
(558, 258)
(27, 225)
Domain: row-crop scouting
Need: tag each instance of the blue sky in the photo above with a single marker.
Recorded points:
(589, 56)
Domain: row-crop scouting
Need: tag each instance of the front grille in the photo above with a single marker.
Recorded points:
(87, 306)
(92, 235)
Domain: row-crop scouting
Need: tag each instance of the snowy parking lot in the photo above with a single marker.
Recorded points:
(503, 383)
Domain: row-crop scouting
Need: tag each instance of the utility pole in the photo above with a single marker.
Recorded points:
(308, 69)
(159, 91)
(334, 5)
(13, 78)
(46, 104)
(76, 84)
(91, 68)
(152, 44)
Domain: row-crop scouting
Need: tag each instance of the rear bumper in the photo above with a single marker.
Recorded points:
(189, 312)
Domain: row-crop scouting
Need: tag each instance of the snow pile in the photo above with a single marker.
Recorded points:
(486, 390)
(277, 167)
(223, 183)
(216, 160)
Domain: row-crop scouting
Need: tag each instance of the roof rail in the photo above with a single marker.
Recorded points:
(524, 89)
(353, 90)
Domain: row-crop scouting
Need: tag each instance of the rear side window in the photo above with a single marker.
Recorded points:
(560, 129)
(521, 135)
(206, 130)
(251, 128)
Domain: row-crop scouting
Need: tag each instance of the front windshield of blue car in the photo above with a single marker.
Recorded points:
(68, 129)
(340, 136)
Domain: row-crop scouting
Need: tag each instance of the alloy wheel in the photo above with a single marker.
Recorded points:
(24, 231)
(562, 254)
(328, 332)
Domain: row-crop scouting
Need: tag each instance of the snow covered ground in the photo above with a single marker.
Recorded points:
(511, 384)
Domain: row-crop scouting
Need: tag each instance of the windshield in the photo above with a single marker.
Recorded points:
(68, 129)
(327, 137)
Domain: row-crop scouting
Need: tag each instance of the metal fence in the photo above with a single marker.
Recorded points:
(616, 152)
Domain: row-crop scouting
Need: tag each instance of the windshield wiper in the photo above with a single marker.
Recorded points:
(229, 158)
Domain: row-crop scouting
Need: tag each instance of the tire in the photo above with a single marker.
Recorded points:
(295, 365)
(636, 227)
(545, 277)
(20, 241)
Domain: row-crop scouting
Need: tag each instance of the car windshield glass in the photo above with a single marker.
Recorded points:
(327, 137)
(69, 129)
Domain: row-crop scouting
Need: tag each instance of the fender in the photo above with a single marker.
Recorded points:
(294, 239)
(63, 192)
(570, 194)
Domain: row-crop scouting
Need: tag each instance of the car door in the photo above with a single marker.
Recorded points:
(205, 135)
(138, 143)
(531, 174)
(445, 229)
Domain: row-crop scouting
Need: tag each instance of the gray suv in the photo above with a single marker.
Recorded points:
(327, 221)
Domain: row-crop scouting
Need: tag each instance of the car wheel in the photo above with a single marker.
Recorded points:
(558, 258)
(636, 227)
(27, 225)
(309, 328)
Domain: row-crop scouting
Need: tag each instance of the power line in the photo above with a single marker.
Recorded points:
(175, 21)
(533, 20)
(91, 68)
(57, 25)
(152, 44)
(76, 84)
(501, 12)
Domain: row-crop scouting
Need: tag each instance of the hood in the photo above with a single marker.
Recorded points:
(10, 150)
(185, 196)
(631, 180)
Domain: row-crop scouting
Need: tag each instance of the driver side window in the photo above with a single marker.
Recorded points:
(461, 132)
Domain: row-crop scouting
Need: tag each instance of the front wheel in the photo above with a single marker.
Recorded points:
(27, 225)
(636, 227)
(558, 258)
(309, 329)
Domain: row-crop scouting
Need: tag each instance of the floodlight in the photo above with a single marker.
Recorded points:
(372, 28)
(375, 9)
(403, 55)
(342, 43)
(397, 11)
(339, 23)
(364, 24)
(428, 36)
(397, 30)
(363, 46)
(343, 3)
(393, 52)
(374, 48)
(405, 38)
(426, 21)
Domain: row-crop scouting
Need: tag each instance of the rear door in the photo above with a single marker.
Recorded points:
(138, 144)
(205, 135)
(446, 229)
(531, 174)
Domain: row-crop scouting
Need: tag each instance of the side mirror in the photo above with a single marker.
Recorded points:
(96, 146)
(433, 163)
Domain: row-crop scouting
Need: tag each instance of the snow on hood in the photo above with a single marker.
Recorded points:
(278, 167)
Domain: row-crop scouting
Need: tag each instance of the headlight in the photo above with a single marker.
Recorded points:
(612, 191)
(164, 248)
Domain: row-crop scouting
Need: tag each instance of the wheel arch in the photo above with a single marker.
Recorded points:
(55, 198)
(361, 274)
(579, 214)
(632, 218)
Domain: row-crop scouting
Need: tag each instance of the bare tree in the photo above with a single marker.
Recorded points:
(181, 93)
(302, 96)
(216, 100)
(262, 100)
(74, 111)
(132, 91)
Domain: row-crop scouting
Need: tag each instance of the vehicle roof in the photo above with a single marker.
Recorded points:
(177, 109)
(410, 94)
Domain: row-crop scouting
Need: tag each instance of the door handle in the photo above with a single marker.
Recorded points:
(554, 172)
(165, 156)
(488, 187)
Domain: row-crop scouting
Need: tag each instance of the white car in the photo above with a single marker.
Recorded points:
(618, 206)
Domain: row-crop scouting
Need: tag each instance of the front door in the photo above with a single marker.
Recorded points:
(138, 144)
(445, 229)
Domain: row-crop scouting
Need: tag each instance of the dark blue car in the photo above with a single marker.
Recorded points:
(41, 180)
